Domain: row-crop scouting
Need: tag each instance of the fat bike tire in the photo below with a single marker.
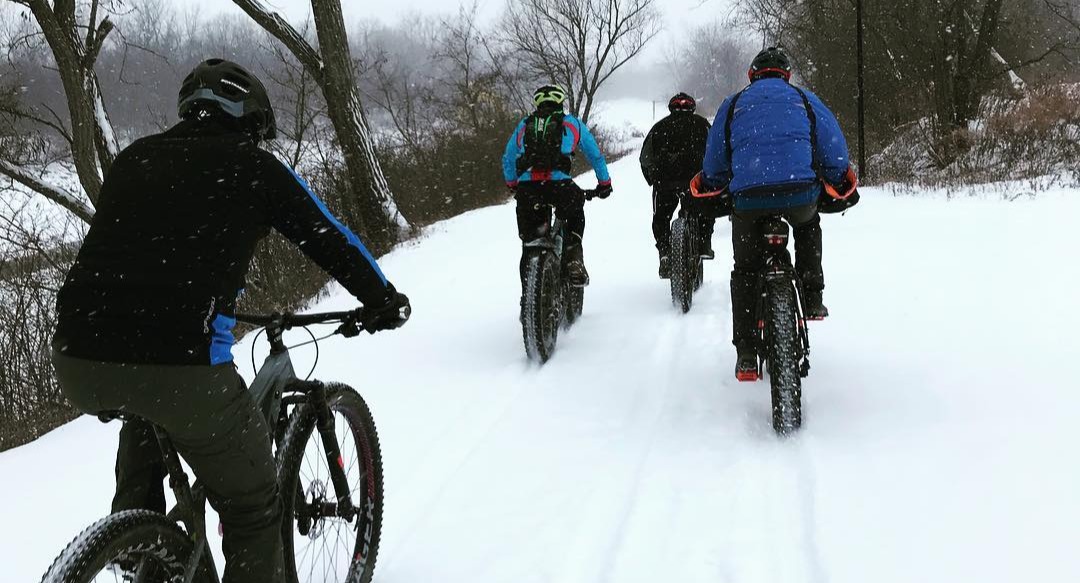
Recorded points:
(573, 302)
(682, 266)
(351, 545)
(784, 351)
(542, 310)
(133, 545)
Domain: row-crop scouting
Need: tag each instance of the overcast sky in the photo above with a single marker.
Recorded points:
(679, 15)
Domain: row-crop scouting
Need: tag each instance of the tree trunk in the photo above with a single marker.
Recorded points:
(332, 70)
(968, 88)
(65, 46)
(381, 220)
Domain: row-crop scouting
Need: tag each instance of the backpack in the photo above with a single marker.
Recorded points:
(543, 144)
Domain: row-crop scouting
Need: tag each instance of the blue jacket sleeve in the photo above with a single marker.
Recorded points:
(832, 149)
(512, 152)
(716, 168)
(592, 152)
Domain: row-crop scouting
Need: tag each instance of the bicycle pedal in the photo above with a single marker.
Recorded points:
(749, 376)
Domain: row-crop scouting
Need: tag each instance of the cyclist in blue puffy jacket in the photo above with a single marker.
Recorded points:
(536, 167)
(772, 144)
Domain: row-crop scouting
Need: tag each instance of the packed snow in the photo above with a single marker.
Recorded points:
(939, 412)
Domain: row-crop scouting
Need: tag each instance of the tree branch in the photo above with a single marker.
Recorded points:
(60, 196)
(277, 26)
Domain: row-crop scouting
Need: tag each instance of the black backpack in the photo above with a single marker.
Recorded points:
(543, 144)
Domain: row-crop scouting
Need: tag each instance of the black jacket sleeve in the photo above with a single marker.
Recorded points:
(301, 217)
(648, 159)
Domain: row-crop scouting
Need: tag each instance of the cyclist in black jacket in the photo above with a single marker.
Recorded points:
(146, 312)
(670, 157)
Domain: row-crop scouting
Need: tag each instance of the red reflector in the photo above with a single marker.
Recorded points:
(341, 462)
(746, 376)
(777, 239)
(760, 324)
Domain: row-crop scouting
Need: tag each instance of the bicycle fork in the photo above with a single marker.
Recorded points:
(325, 426)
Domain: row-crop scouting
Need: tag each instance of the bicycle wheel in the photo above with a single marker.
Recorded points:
(542, 306)
(573, 302)
(321, 548)
(682, 265)
(133, 545)
(783, 356)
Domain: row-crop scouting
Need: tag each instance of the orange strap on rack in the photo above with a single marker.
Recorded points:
(696, 185)
(851, 182)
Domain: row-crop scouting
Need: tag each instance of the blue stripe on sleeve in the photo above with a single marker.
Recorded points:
(349, 235)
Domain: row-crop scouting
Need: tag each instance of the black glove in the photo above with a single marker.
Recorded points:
(603, 190)
(829, 205)
(391, 314)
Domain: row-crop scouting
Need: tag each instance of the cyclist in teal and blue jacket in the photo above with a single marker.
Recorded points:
(536, 167)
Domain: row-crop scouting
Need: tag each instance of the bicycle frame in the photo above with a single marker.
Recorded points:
(778, 267)
(274, 389)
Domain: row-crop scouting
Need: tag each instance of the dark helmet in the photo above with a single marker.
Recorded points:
(233, 90)
(682, 102)
(771, 61)
(552, 94)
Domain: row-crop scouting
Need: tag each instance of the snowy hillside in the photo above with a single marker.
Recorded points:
(937, 446)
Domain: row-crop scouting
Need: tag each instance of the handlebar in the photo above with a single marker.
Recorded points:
(350, 320)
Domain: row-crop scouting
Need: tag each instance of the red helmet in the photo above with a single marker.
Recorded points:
(682, 102)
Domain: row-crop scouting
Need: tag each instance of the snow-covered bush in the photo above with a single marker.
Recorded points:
(1013, 139)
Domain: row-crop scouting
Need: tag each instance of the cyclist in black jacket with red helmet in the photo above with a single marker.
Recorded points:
(670, 157)
(145, 314)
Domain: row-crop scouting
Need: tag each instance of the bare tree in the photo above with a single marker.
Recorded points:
(713, 70)
(578, 43)
(331, 67)
(75, 38)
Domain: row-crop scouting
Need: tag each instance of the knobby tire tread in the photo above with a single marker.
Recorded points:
(135, 533)
(682, 273)
(301, 428)
(540, 332)
(783, 356)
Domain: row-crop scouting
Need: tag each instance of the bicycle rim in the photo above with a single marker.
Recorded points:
(321, 548)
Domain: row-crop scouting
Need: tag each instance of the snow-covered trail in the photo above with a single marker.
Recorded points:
(937, 442)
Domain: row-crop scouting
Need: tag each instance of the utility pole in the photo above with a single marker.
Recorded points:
(863, 170)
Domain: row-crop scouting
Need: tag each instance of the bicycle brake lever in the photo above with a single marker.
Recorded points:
(351, 327)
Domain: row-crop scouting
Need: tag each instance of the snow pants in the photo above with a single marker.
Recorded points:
(212, 420)
(749, 247)
(668, 197)
(534, 203)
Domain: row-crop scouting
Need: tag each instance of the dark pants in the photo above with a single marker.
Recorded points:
(666, 197)
(749, 247)
(534, 203)
(214, 424)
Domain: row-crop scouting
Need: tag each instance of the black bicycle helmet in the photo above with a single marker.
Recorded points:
(682, 102)
(231, 89)
(772, 61)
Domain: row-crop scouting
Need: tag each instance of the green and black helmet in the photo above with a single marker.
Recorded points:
(552, 94)
(230, 88)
